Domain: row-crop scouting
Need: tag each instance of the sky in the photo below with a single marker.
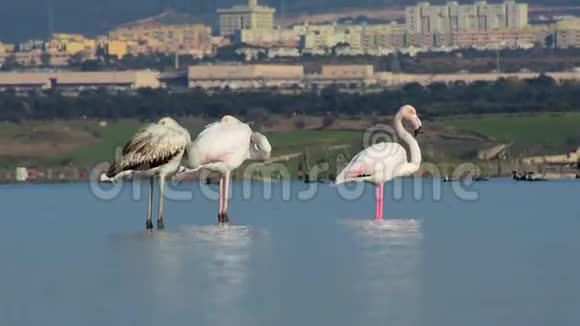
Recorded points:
(26, 19)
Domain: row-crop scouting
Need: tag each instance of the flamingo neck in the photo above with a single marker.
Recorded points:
(413, 166)
(254, 154)
(192, 156)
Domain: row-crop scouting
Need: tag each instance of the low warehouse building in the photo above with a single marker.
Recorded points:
(245, 76)
(79, 80)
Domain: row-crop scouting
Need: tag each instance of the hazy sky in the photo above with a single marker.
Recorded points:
(24, 19)
(29, 18)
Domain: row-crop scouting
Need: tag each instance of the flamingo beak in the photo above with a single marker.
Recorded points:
(417, 123)
(417, 131)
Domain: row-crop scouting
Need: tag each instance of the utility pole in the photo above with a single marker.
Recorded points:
(164, 5)
(103, 13)
(283, 9)
(50, 18)
(497, 63)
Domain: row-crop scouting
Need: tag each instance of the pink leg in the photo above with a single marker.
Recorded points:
(382, 204)
(226, 193)
(221, 198)
(378, 203)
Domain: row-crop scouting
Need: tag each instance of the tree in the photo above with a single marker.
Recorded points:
(327, 121)
(45, 58)
(503, 95)
(299, 123)
(90, 65)
(259, 116)
(395, 63)
(10, 62)
(76, 59)
(543, 81)
(550, 41)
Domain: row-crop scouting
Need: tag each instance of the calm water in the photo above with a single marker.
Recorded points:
(508, 258)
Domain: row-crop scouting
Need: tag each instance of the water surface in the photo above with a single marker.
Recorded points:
(508, 258)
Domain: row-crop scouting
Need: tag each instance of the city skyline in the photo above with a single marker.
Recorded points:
(425, 27)
(31, 17)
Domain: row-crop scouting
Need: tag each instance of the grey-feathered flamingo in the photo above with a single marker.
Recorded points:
(154, 152)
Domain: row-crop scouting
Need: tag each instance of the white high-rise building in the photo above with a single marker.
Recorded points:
(481, 16)
(250, 16)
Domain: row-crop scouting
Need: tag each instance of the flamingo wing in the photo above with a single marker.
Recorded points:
(377, 161)
(152, 146)
(220, 141)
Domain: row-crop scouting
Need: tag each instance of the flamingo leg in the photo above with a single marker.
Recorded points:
(226, 219)
(377, 203)
(221, 201)
(148, 223)
(160, 224)
(382, 204)
(379, 192)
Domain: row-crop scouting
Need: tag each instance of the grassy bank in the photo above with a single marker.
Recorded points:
(58, 143)
(526, 129)
(85, 142)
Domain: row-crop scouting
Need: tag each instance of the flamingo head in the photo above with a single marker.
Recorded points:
(228, 119)
(168, 122)
(172, 124)
(260, 146)
(409, 113)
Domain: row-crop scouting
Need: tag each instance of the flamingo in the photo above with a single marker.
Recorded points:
(222, 147)
(155, 151)
(382, 162)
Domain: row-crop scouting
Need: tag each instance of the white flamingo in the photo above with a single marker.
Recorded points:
(382, 162)
(222, 147)
(155, 151)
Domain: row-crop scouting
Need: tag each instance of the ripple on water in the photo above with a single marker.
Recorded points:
(180, 264)
(227, 235)
(387, 268)
(222, 234)
(387, 229)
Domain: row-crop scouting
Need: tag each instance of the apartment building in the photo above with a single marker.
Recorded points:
(495, 39)
(117, 48)
(268, 37)
(383, 36)
(70, 44)
(194, 39)
(250, 16)
(329, 35)
(6, 48)
(480, 16)
(568, 33)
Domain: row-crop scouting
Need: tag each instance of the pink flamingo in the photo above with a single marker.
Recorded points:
(382, 162)
(222, 147)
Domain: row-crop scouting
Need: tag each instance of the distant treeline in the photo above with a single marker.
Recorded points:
(534, 95)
